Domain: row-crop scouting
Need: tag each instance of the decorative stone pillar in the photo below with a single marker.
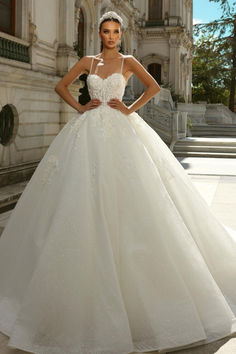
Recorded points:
(176, 12)
(174, 67)
(165, 71)
(22, 11)
(76, 17)
(33, 39)
(97, 40)
(66, 56)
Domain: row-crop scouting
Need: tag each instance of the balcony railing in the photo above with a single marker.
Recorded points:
(13, 50)
(154, 23)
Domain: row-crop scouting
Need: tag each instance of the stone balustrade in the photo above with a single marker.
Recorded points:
(15, 49)
(205, 113)
(160, 114)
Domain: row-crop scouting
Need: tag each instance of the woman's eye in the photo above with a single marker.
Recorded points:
(105, 31)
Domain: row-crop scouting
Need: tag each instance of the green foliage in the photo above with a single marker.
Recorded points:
(211, 73)
(218, 44)
(189, 123)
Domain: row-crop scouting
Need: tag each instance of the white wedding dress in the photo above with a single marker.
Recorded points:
(110, 248)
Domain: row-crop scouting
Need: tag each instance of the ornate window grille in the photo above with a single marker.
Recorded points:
(11, 49)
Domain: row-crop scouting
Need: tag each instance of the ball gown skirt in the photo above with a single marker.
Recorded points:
(110, 248)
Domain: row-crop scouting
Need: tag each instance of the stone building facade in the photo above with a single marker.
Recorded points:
(37, 39)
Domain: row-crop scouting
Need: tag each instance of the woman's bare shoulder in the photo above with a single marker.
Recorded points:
(130, 60)
(85, 62)
(128, 57)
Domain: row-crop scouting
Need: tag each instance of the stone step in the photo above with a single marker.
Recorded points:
(10, 194)
(204, 154)
(214, 130)
(214, 126)
(208, 141)
(206, 148)
(3, 220)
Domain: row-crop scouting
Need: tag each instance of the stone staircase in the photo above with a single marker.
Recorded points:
(218, 146)
(213, 130)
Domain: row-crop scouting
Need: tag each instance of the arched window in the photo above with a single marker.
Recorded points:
(81, 34)
(155, 10)
(6, 124)
(7, 16)
(155, 70)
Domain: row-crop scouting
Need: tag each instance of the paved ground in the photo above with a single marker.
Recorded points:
(209, 166)
(215, 178)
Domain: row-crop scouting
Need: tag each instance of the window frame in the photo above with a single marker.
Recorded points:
(13, 19)
(155, 69)
(154, 10)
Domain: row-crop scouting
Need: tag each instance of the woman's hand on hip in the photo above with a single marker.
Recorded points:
(93, 103)
(117, 104)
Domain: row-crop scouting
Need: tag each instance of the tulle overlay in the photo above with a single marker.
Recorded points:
(111, 249)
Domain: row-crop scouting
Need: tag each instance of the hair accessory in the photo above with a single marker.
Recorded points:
(110, 15)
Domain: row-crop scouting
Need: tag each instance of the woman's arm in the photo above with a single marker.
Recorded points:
(61, 88)
(133, 66)
(152, 86)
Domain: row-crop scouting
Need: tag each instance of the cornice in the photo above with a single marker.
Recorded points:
(150, 57)
(164, 32)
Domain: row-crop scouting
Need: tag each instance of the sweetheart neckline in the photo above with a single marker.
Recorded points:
(107, 76)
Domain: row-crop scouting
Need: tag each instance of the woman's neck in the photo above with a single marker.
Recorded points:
(109, 53)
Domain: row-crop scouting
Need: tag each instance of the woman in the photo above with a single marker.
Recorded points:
(119, 253)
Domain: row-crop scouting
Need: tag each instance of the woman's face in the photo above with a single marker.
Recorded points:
(110, 34)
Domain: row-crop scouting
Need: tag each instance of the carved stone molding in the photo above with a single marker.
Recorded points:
(174, 42)
(154, 56)
(33, 35)
(91, 31)
(78, 3)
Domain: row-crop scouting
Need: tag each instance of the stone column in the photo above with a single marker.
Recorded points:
(22, 13)
(174, 67)
(97, 40)
(176, 12)
(66, 56)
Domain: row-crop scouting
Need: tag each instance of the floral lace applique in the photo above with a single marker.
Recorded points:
(74, 126)
(93, 170)
(129, 165)
(51, 166)
(103, 125)
(111, 87)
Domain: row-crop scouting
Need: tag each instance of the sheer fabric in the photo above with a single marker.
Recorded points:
(106, 67)
(119, 252)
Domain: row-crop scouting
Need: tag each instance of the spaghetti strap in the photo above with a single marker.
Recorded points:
(122, 62)
(90, 70)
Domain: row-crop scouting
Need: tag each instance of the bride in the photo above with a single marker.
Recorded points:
(110, 248)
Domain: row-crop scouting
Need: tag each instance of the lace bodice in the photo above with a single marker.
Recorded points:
(105, 88)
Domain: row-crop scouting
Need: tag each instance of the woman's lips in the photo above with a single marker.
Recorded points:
(111, 42)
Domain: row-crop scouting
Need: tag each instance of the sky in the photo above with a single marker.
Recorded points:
(206, 11)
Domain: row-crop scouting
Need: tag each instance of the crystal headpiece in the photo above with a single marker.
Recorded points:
(110, 15)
